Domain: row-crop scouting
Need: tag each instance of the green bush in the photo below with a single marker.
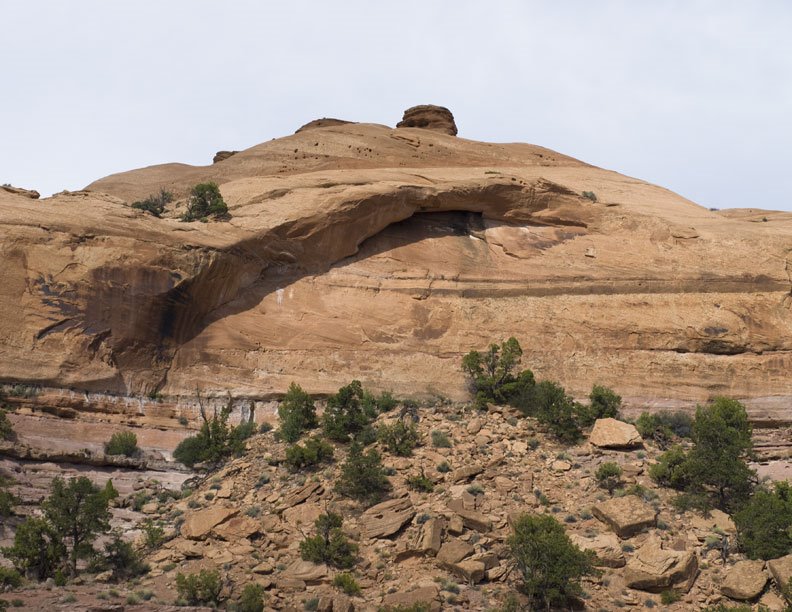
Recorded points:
(9, 577)
(440, 439)
(314, 452)
(122, 443)
(203, 587)
(590, 195)
(154, 204)
(215, 441)
(122, 559)
(153, 535)
(205, 201)
(551, 566)
(252, 599)
(764, 524)
(662, 426)
(420, 482)
(492, 374)
(6, 429)
(715, 471)
(608, 476)
(669, 597)
(604, 403)
(7, 499)
(399, 438)
(329, 545)
(297, 414)
(346, 582)
(363, 476)
(349, 415)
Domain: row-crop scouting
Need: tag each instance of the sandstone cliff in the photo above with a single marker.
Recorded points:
(361, 251)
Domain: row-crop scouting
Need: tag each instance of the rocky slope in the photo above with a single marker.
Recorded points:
(446, 548)
(396, 250)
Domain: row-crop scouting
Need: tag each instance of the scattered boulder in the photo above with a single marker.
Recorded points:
(454, 551)
(302, 514)
(387, 518)
(431, 536)
(470, 518)
(221, 155)
(469, 570)
(653, 568)
(612, 433)
(320, 123)
(298, 496)
(429, 117)
(605, 546)
(237, 528)
(745, 580)
(200, 523)
(307, 572)
(466, 472)
(424, 595)
(781, 570)
(627, 516)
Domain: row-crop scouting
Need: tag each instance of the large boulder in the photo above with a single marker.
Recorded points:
(612, 433)
(26, 193)
(310, 573)
(781, 570)
(387, 518)
(198, 524)
(429, 117)
(605, 546)
(454, 551)
(745, 580)
(423, 595)
(653, 568)
(627, 515)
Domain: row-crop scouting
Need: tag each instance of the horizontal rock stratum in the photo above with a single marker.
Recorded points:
(361, 251)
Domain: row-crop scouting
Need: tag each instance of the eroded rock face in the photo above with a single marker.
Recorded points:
(612, 433)
(429, 117)
(199, 524)
(320, 123)
(223, 155)
(781, 570)
(387, 518)
(368, 245)
(26, 193)
(605, 546)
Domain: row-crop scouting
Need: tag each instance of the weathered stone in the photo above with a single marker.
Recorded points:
(302, 514)
(431, 536)
(605, 546)
(781, 570)
(612, 433)
(222, 155)
(300, 495)
(627, 515)
(426, 595)
(320, 123)
(429, 117)
(265, 567)
(198, 524)
(466, 472)
(468, 570)
(454, 551)
(456, 525)
(189, 549)
(653, 568)
(717, 520)
(387, 518)
(745, 580)
(237, 528)
(470, 518)
(307, 572)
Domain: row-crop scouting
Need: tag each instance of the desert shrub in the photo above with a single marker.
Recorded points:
(662, 426)
(297, 413)
(329, 545)
(715, 470)
(37, 551)
(764, 524)
(420, 482)
(399, 438)
(443, 467)
(122, 559)
(203, 587)
(608, 476)
(9, 577)
(313, 452)
(153, 535)
(215, 441)
(349, 415)
(492, 375)
(346, 582)
(363, 476)
(252, 599)
(205, 201)
(154, 204)
(7, 499)
(590, 195)
(669, 596)
(386, 402)
(550, 564)
(440, 439)
(604, 403)
(122, 443)
(6, 429)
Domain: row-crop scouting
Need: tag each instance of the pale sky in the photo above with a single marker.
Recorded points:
(695, 96)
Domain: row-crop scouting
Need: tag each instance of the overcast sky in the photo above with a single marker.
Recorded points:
(693, 95)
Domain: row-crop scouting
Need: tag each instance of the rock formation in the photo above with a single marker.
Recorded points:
(384, 254)
(429, 117)
(223, 155)
(320, 123)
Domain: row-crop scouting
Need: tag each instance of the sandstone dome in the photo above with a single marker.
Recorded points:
(361, 251)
